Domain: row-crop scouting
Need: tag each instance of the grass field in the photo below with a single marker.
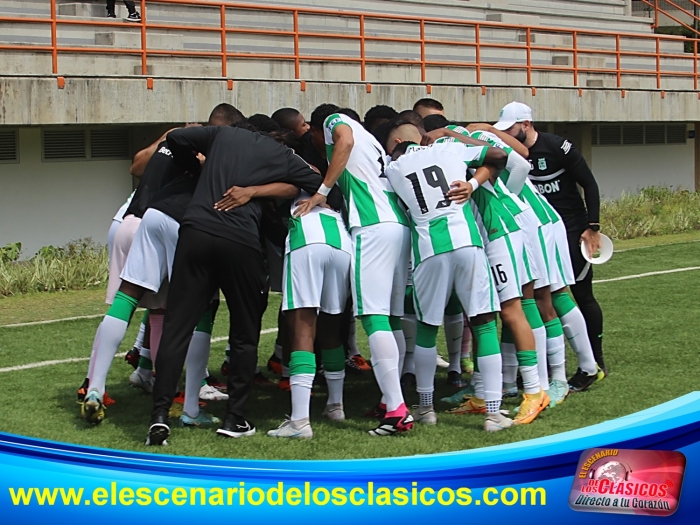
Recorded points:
(650, 343)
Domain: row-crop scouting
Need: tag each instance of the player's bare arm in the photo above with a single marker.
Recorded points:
(440, 133)
(509, 140)
(462, 190)
(237, 196)
(141, 159)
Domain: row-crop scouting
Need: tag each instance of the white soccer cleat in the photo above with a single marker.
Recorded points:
(209, 393)
(334, 412)
(143, 383)
(441, 362)
(425, 415)
(293, 429)
(496, 422)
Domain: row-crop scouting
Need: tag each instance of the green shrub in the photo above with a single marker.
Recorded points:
(653, 211)
(78, 265)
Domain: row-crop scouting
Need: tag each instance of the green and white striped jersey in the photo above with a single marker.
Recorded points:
(319, 226)
(421, 178)
(492, 216)
(368, 195)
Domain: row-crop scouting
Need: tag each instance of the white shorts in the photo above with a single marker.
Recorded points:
(464, 270)
(110, 236)
(533, 258)
(150, 260)
(120, 250)
(379, 267)
(316, 276)
(561, 272)
(505, 259)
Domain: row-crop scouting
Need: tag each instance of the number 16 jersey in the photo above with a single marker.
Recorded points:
(422, 178)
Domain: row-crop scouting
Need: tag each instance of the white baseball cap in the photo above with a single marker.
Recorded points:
(511, 114)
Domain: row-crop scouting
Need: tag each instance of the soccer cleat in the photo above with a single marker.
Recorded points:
(510, 390)
(261, 380)
(472, 405)
(274, 365)
(602, 373)
(132, 357)
(136, 380)
(334, 412)
(459, 397)
(357, 364)
(209, 393)
(108, 401)
(92, 408)
(215, 383)
(158, 432)
(442, 363)
(557, 392)
(378, 411)
(531, 407)
(82, 391)
(203, 420)
(133, 17)
(224, 368)
(424, 414)
(496, 422)
(408, 380)
(236, 427)
(455, 379)
(467, 365)
(580, 381)
(300, 429)
(284, 384)
(393, 425)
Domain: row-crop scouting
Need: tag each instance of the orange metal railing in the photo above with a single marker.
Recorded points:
(617, 53)
(666, 7)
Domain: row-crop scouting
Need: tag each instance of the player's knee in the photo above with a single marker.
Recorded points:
(375, 323)
(426, 335)
(512, 313)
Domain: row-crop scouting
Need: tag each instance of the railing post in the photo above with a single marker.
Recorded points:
(575, 44)
(477, 52)
(224, 64)
(54, 40)
(618, 60)
(695, 64)
(529, 56)
(656, 14)
(297, 66)
(362, 48)
(658, 63)
(422, 50)
(144, 52)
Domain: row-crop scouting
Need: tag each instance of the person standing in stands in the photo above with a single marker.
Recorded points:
(133, 16)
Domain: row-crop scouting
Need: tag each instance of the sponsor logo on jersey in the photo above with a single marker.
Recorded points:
(549, 187)
(542, 164)
(165, 151)
(566, 147)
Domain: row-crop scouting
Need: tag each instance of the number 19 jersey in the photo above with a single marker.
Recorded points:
(368, 195)
(422, 178)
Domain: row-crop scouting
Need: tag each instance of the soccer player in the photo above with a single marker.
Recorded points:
(448, 255)
(316, 279)
(381, 247)
(428, 106)
(292, 119)
(377, 115)
(221, 249)
(557, 168)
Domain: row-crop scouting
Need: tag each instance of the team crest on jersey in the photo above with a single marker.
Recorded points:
(542, 164)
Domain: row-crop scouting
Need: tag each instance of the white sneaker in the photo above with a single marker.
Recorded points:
(441, 362)
(334, 412)
(144, 383)
(209, 393)
(293, 429)
(496, 422)
(424, 414)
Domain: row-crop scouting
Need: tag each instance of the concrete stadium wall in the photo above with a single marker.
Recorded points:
(44, 203)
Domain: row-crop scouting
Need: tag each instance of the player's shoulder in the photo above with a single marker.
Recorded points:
(555, 143)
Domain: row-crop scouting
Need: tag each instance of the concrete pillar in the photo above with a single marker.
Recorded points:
(628, 7)
(696, 142)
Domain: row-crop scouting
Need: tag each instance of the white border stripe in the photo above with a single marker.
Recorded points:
(51, 321)
(648, 274)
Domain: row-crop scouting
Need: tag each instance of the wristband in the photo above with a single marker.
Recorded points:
(474, 183)
(324, 190)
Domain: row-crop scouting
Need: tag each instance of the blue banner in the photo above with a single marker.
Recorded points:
(529, 481)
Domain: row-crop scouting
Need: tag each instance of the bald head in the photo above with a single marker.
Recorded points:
(404, 133)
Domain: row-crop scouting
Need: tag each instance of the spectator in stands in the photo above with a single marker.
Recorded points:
(428, 106)
(133, 16)
(377, 115)
(290, 118)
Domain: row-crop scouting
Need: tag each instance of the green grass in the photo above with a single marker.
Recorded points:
(650, 345)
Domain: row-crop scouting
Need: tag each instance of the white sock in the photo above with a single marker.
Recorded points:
(531, 380)
(454, 327)
(335, 381)
(352, 339)
(466, 340)
(401, 343)
(139, 338)
(576, 332)
(112, 332)
(426, 364)
(510, 363)
(478, 384)
(556, 357)
(541, 347)
(95, 342)
(490, 367)
(301, 395)
(385, 364)
(409, 324)
(196, 364)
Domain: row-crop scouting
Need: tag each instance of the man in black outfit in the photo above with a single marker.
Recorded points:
(222, 249)
(133, 16)
(557, 168)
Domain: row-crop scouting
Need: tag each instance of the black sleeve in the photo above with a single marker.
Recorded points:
(576, 167)
(301, 175)
(184, 142)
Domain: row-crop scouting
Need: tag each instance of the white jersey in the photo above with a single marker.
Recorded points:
(319, 226)
(422, 178)
(119, 217)
(368, 195)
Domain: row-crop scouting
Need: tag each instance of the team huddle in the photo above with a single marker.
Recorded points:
(405, 223)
